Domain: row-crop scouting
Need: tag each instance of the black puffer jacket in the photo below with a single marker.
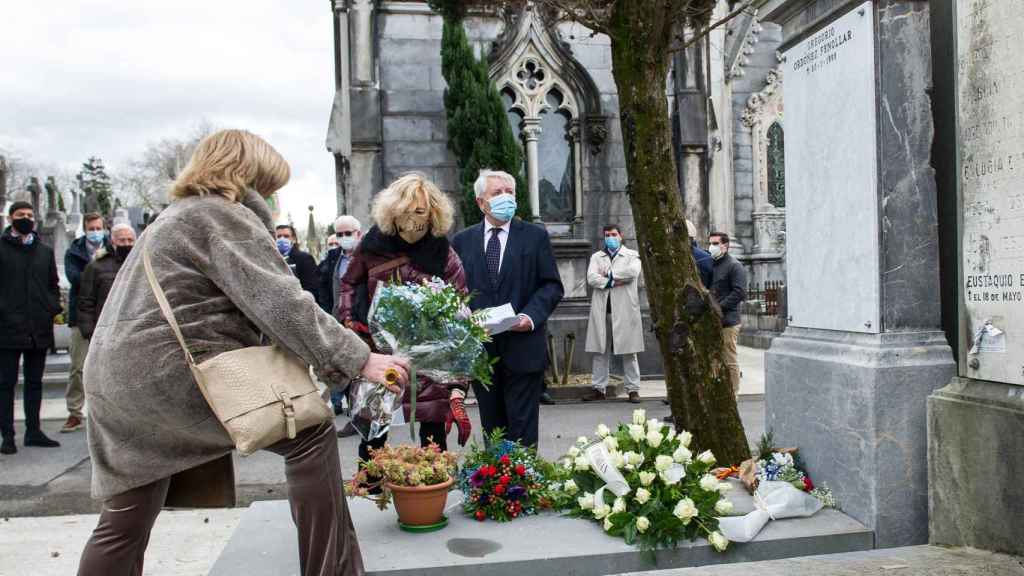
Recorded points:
(29, 293)
(97, 280)
(729, 287)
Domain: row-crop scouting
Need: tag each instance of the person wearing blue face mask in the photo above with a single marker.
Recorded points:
(78, 256)
(303, 264)
(615, 326)
(508, 261)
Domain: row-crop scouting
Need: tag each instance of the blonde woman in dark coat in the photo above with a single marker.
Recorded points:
(214, 256)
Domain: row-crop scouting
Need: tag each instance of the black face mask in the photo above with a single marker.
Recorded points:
(121, 252)
(23, 225)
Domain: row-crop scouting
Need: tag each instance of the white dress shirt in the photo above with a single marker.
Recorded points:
(502, 238)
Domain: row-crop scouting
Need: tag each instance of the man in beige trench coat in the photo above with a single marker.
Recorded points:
(615, 325)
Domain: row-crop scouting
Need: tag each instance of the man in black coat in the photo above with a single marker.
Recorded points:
(99, 276)
(729, 287)
(347, 232)
(77, 257)
(302, 263)
(29, 299)
(508, 261)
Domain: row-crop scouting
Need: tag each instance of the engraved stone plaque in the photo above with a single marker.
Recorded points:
(832, 240)
(990, 122)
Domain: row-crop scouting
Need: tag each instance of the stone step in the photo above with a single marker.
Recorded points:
(265, 544)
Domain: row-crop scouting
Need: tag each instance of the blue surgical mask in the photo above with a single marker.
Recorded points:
(503, 207)
(284, 246)
(612, 244)
(95, 236)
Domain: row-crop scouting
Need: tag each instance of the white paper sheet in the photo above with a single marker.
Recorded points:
(500, 319)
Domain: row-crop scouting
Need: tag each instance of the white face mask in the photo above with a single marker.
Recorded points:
(347, 243)
(716, 251)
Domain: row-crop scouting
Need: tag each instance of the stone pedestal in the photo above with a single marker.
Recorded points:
(848, 380)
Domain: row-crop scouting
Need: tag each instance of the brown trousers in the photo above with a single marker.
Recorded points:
(327, 539)
(731, 335)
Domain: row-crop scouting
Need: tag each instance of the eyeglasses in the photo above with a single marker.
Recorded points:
(345, 233)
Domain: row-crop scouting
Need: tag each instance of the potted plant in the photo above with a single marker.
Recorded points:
(416, 478)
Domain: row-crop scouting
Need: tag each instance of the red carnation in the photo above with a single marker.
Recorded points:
(481, 515)
(505, 479)
(808, 485)
(521, 470)
(505, 459)
(499, 489)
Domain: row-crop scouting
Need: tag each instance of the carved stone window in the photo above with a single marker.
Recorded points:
(776, 166)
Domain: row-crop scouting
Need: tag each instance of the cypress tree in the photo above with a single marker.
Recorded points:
(478, 130)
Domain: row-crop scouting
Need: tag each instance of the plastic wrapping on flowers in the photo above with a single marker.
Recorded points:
(504, 480)
(642, 482)
(432, 325)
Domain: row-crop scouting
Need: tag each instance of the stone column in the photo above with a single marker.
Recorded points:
(531, 133)
(693, 190)
(361, 26)
(577, 162)
(848, 380)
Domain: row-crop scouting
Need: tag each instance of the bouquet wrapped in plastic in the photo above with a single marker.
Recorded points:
(432, 325)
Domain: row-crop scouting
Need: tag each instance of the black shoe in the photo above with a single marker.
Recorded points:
(8, 446)
(634, 397)
(668, 419)
(594, 395)
(546, 399)
(40, 440)
(665, 401)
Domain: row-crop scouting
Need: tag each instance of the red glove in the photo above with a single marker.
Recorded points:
(457, 414)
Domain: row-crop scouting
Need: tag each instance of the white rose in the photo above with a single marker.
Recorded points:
(611, 442)
(682, 455)
(602, 431)
(671, 434)
(723, 507)
(654, 424)
(719, 541)
(642, 495)
(636, 432)
(724, 487)
(639, 416)
(685, 438)
(586, 501)
(582, 441)
(567, 463)
(602, 511)
(654, 438)
(642, 524)
(706, 457)
(671, 480)
(633, 458)
(709, 483)
(574, 452)
(608, 524)
(685, 510)
(646, 478)
(570, 487)
(616, 459)
(618, 506)
(582, 463)
(662, 462)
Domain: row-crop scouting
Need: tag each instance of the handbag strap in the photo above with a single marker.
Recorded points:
(389, 265)
(165, 307)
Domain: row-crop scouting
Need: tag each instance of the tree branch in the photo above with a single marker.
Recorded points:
(702, 33)
(582, 13)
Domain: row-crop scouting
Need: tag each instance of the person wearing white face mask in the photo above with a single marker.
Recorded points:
(347, 233)
(729, 287)
(79, 254)
(509, 261)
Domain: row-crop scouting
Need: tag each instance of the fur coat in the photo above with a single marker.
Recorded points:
(227, 284)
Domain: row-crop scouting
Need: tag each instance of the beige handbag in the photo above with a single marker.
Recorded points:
(261, 394)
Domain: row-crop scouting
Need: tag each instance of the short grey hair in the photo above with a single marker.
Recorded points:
(122, 226)
(347, 219)
(480, 186)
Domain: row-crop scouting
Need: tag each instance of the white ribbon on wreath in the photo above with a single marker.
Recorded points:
(772, 501)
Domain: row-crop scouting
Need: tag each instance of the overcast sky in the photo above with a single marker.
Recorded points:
(105, 77)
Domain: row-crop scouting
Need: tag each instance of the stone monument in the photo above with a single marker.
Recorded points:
(848, 380)
(976, 423)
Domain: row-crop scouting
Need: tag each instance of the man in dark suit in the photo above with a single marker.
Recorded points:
(303, 264)
(508, 261)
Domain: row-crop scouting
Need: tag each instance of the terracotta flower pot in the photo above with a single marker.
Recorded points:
(420, 505)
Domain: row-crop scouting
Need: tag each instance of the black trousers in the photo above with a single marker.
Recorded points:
(428, 431)
(35, 364)
(512, 403)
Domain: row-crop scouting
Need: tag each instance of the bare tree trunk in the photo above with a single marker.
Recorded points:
(686, 319)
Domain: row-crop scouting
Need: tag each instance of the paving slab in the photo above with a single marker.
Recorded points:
(39, 466)
(909, 561)
(265, 544)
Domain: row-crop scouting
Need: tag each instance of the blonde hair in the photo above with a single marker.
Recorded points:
(228, 162)
(396, 198)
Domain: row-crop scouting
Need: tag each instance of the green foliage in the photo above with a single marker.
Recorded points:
(94, 181)
(478, 130)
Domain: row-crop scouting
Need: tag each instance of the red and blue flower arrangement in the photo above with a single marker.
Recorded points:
(504, 480)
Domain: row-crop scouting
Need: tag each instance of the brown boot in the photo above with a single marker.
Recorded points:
(634, 397)
(72, 424)
(594, 395)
